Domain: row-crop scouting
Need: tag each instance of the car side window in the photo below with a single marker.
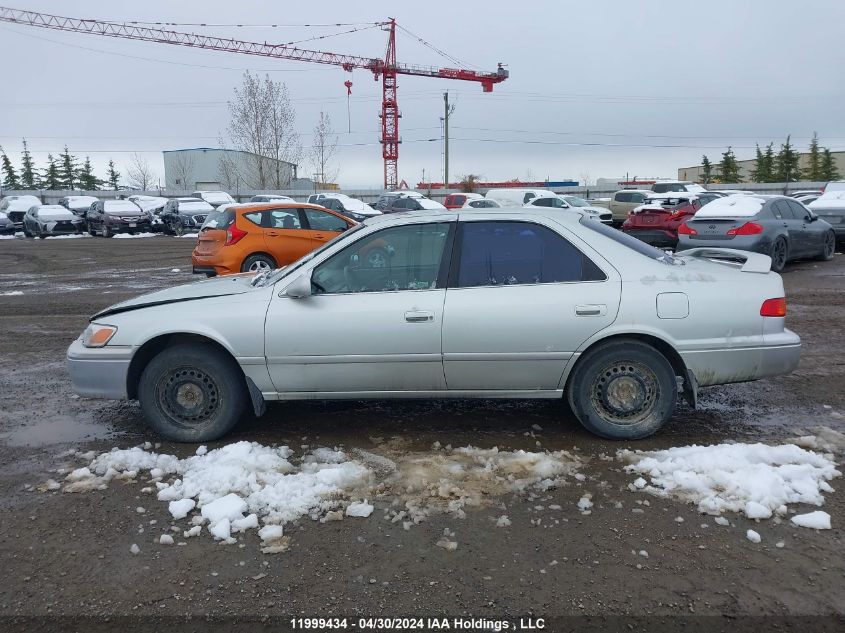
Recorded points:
(405, 257)
(783, 208)
(541, 202)
(528, 196)
(281, 219)
(623, 197)
(322, 221)
(798, 211)
(511, 253)
(255, 217)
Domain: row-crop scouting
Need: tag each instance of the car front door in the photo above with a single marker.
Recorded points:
(323, 226)
(366, 329)
(794, 228)
(809, 233)
(521, 300)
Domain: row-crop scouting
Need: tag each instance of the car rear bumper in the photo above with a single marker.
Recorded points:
(721, 366)
(99, 373)
(204, 270)
(653, 236)
(753, 243)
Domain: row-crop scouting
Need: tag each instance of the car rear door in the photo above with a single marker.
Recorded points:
(521, 300)
(366, 329)
(285, 235)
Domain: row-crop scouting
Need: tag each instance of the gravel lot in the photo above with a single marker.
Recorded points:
(68, 554)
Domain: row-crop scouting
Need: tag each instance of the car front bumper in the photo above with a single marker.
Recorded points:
(779, 355)
(99, 372)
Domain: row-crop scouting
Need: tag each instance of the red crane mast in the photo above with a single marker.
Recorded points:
(387, 69)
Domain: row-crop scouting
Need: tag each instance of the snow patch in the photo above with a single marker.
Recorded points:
(817, 520)
(756, 479)
(753, 536)
(129, 236)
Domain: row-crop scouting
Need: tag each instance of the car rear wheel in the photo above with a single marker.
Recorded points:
(828, 246)
(192, 393)
(779, 254)
(624, 390)
(257, 264)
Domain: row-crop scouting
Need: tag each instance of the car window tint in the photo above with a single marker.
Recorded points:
(797, 209)
(622, 197)
(542, 202)
(508, 253)
(785, 211)
(322, 221)
(398, 258)
(255, 217)
(528, 196)
(281, 219)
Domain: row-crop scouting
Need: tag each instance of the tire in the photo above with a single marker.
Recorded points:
(107, 231)
(179, 230)
(623, 370)
(779, 254)
(198, 374)
(828, 247)
(257, 263)
(26, 232)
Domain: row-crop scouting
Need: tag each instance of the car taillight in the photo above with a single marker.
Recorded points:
(773, 307)
(234, 235)
(677, 215)
(686, 229)
(749, 228)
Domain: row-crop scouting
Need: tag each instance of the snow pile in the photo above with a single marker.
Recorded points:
(817, 520)
(246, 485)
(190, 235)
(127, 236)
(69, 236)
(11, 293)
(756, 479)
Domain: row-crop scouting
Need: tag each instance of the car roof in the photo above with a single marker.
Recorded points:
(246, 207)
(509, 212)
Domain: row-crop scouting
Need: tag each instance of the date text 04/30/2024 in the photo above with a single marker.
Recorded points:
(419, 624)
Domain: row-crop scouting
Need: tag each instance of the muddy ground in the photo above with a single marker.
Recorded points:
(68, 554)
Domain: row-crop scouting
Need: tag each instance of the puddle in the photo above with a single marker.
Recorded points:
(59, 429)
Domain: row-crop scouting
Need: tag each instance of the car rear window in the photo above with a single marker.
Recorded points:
(627, 240)
(218, 220)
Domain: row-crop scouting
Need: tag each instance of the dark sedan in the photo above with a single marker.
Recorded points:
(777, 226)
(108, 217)
(51, 219)
(183, 215)
(7, 227)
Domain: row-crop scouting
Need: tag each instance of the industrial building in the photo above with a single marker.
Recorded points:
(747, 166)
(227, 169)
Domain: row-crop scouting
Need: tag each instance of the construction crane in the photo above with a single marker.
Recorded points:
(387, 69)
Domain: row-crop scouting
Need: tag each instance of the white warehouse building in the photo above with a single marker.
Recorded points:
(209, 168)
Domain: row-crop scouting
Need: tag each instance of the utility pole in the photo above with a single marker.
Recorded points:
(445, 140)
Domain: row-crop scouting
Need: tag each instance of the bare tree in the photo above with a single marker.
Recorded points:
(141, 175)
(182, 169)
(262, 123)
(323, 149)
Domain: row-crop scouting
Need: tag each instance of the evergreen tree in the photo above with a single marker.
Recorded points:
(768, 174)
(706, 170)
(10, 176)
(829, 170)
(758, 174)
(51, 179)
(68, 168)
(29, 177)
(85, 177)
(729, 168)
(113, 175)
(814, 162)
(787, 166)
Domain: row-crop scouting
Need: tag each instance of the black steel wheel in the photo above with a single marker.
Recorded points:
(623, 389)
(192, 393)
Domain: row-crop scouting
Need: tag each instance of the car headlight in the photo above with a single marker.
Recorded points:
(97, 335)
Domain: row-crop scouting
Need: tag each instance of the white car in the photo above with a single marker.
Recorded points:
(483, 303)
(15, 207)
(345, 205)
(556, 201)
(271, 197)
(214, 198)
(481, 203)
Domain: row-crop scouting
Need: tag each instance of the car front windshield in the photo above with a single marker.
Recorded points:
(281, 273)
(631, 242)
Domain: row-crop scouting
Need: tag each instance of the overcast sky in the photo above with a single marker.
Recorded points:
(599, 89)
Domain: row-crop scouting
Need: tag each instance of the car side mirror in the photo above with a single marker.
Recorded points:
(299, 288)
(811, 218)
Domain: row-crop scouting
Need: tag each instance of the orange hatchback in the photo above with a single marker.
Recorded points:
(254, 237)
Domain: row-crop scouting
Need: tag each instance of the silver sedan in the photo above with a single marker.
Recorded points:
(473, 303)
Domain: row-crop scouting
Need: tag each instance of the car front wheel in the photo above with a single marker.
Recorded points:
(192, 393)
(623, 390)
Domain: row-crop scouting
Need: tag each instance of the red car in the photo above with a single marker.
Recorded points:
(656, 222)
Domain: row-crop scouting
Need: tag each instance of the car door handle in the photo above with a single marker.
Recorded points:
(419, 316)
(591, 309)
(319, 236)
